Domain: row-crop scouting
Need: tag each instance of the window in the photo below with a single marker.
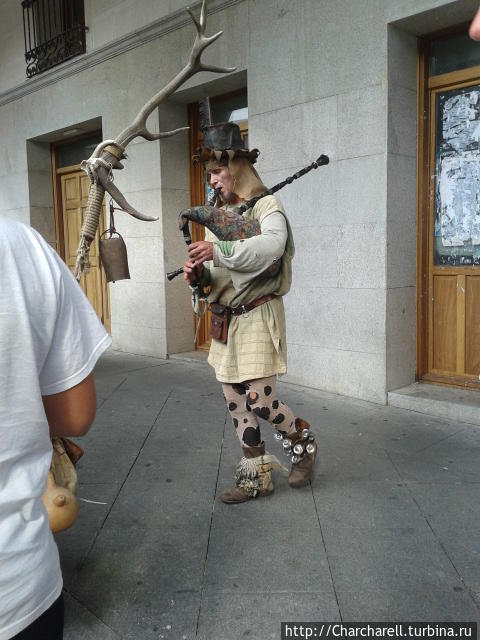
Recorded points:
(54, 31)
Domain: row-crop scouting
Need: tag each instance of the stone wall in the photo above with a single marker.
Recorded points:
(335, 77)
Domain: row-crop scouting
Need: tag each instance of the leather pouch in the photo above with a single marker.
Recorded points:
(219, 319)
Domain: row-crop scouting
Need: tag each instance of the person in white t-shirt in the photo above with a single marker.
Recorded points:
(50, 340)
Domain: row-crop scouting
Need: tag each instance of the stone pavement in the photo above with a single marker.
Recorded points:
(388, 529)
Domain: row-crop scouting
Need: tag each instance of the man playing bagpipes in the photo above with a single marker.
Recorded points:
(248, 273)
(248, 278)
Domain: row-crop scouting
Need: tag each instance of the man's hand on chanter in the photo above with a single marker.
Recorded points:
(189, 270)
(200, 252)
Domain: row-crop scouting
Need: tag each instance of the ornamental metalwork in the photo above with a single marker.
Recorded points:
(54, 31)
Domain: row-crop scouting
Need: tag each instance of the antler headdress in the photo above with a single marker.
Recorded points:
(109, 153)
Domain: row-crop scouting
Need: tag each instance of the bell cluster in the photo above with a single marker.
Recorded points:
(296, 451)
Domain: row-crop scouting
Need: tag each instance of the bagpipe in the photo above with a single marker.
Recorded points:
(231, 225)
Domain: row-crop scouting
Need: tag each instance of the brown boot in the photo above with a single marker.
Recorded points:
(302, 448)
(253, 477)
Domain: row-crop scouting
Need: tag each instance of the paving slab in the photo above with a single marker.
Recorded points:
(424, 468)
(82, 624)
(450, 511)
(387, 529)
(392, 431)
(272, 552)
(366, 503)
(238, 615)
(94, 504)
(399, 572)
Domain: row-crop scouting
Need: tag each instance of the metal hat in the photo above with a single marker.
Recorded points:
(221, 141)
(223, 136)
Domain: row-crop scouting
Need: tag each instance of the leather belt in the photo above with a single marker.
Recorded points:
(245, 308)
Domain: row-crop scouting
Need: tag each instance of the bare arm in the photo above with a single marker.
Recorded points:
(474, 30)
(71, 412)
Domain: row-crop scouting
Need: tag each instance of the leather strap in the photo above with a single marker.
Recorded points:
(245, 308)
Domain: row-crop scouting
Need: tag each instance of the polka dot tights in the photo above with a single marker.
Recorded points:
(247, 401)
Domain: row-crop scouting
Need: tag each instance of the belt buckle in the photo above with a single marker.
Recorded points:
(244, 311)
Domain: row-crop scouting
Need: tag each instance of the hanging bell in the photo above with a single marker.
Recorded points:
(113, 254)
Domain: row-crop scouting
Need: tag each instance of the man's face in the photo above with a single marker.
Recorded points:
(220, 177)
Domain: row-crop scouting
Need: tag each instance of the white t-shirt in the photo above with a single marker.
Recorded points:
(50, 339)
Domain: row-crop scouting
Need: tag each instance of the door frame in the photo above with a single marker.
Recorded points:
(427, 89)
(197, 196)
(57, 174)
(57, 191)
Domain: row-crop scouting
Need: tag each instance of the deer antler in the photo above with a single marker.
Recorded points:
(109, 153)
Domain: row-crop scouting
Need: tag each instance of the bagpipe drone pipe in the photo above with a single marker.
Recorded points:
(231, 225)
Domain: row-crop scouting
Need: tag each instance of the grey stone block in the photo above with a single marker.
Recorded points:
(336, 370)
(116, 363)
(360, 186)
(303, 63)
(402, 120)
(418, 598)
(14, 191)
(361, 256)
(317, 248)
(82, 624)
(408, 433)
(402, 58)
(134, 338)
(421, 468)
(147, 201)
(237, 615)
(359, 461)
(401, 228)
(302, 561)
(94, 503)
(317, 122)
(139, 295)
(357, 503)
(42, 220)
(450, 403)
(351, 322)
(381, 575)
(361, 122)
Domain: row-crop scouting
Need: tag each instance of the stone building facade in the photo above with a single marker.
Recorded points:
(339, 77)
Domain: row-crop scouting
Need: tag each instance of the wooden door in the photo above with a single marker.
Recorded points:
(450, 282)
(73, 185)
(232, 107)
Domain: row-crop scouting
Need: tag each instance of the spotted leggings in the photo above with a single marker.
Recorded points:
(253, 399)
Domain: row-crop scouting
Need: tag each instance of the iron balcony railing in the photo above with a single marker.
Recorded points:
(54, 31)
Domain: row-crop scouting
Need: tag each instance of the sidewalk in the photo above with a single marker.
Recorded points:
(388, 530)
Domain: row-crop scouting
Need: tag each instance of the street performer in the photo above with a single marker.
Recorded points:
(247, 280)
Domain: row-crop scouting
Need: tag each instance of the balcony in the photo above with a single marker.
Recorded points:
(54, 31)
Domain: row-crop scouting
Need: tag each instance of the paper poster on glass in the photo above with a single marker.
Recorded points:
(457, 178)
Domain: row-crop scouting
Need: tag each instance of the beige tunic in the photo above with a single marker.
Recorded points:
(256, 346)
